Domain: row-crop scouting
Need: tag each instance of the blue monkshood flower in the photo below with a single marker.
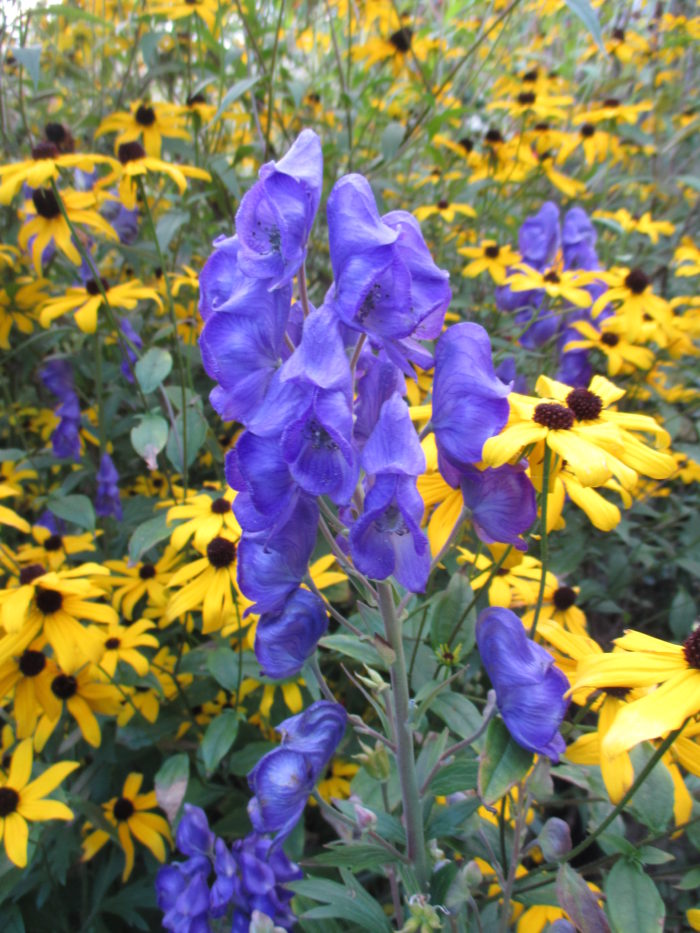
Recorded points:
(125, 222)
(578, 238)
(316, 732)
(107, 500)
(386, 283)
(529, 688)
(65, 439)
(377, 380)
(502, 503)
(470, 402)
(285, 639)
(241, 349)
(393, 445)
(507, 372)
(267, 491)
(127, 364)
(281, 783)
(539, 237)
(271, 566)
(182, 893)
(193, 836)
(251, 876)
(387, 538)
(320, 359)
(222, 285)
(275, 217)
(57, 376)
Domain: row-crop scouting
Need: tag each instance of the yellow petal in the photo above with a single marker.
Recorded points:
(16, 836)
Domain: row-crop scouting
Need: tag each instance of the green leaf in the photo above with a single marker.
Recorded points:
(223, 665)
(391, 139)
(11, 453)
(12, 921)
(448, 820)
(348, 901)
(589, 18)
(234, 92)
(461, 775)
(29, 57)
(503, 763)
(147, 534)
(357, 857)
(449, 610)
(652, 804)
(149, 437)
(73, 12)
(220, 735)
(580, 903)
(460, 714)
(682, 615)
(196, 434)
(152, 369)
(633, 903)
(352, 647)
(690, 880)
(74, 508)
(168, 225)
(171, 784)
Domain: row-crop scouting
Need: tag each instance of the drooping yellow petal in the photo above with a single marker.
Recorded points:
(48, 781)
(16, 836)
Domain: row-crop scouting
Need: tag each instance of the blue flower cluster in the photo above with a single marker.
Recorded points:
(107, 501)
(248, 877)
(57, 376)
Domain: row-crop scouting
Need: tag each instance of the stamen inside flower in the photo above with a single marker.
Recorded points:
(130, 152)
(9, 799)
(391, 521)
(526, 97)
(44, 150)
(92, 288)
(552, 277)
(53, 543)
(30, 573)
(221, 506)
(112, 643)
(554, 416)
(492, 251)
(493, 136)
(401, 39)
(585, 404)
(147, 571)
(587, 130)
(610, 340)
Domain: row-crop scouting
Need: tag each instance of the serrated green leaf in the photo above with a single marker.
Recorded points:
(75, 508)
(147, 534)
(502, 764)
(351, 903)
(220, 735)
(633, 903)
(152, 368)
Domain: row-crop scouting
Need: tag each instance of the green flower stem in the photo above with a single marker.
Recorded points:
(271, 87)
(410, 794)
(173, 323)
(544, 556)
(494, 570)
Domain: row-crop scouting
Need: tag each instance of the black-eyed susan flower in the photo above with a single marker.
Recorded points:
(129, 584)
(83, 302)
(559, 606)
(149, 122)
(44, 167)
(206, 10)
(135, 163)
(46, 224)
(122, 642)
(631, 291)
(566, 286)
(81, 692)
(447, 210)
(22, 800)
(489, 257)
(687, 255)
(51, 549)
(204, 517)
(513, 580)
(7, 515)
(636, 224)
(26, 679)
(130, 815)
(336, 784)
(598, 145)
(18, 303)
(622, 356)
(615, 110)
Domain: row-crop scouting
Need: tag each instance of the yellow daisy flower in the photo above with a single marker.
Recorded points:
(51, 549)
(206, 518)
(85, 301)
(136, 162)
(149, 122)
(27, 679)
(82, 693)
(22, 800)
(129, 814)
(622, 356)
(9, 516)
(121, 642)
(43, 167)
(132, 583)
(632, 291)
(445, 209)
(567, 286)
(489, 257)
(206, 10)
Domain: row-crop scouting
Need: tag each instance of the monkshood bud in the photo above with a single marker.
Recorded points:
(539, 237)
(529, 688)
(193, 835)
(182, 893)
(267, 490)
(469, 400)
(578, 237)
(271, 566)
(281, 783)
(275, 217)
(377, 380)
(107, 500)
(316, 732)
(284, 640)
(393, 445)
(57, 376)
(502, 503)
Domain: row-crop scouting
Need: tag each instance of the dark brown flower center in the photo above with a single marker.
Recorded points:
(48, 601)
(587, 130)
(46, 204)
(531, 76)
(554, 416)
(53, 543)
(147, 571)
(691, 649)
(112, 643)
(145, 115)
(618, 34)
(92, 288)
(123, 809)
(45, 150)
(56, 133)
(492, 251)
(196, 99)
(493, 136)
(610, 340)
(221, 552)
(542, 127)
(564, 598)
(611, 102)
(442, 204)
(552, 277)
(586, 405)
(221, 506)
(9, 799)
(526, 98)
(401, 39)
(620, 693)
(64, 686)
(130, 152)
(466, 143)
(30, 573)
(32, 663)
(637, 281)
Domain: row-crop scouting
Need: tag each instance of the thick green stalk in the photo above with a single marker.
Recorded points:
(408, 779)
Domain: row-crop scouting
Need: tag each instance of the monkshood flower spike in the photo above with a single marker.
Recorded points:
(530, 690)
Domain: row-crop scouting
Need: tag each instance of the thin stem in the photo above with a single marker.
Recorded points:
(410, 794)
(523, 806)
(342, 818)
(271, 87)
(320, 679)
(303, 291)
(544, 556)
(494, 570)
